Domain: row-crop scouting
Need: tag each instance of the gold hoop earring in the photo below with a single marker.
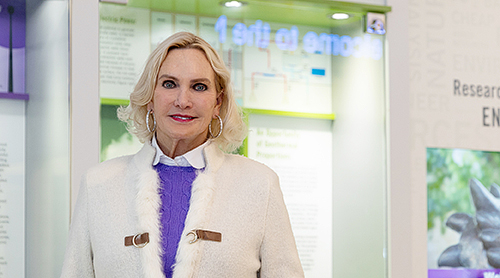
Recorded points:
(210, 128)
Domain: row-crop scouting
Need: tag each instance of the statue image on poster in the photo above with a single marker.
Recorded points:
(12, 46)
(463, 214)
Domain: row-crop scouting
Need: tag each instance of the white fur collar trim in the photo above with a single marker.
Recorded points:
(148, 203)
(147, 206)
(189, 255)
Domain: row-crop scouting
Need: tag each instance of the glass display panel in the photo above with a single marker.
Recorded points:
(293, 68)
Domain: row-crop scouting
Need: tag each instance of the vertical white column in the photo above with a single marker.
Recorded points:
(47, 137)
(84, 89)
(400, 212)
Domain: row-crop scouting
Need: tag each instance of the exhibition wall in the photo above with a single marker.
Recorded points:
(340, 122)
(12, 138)
(34, 137)
(454, 129)
(46, 128)
(449, 141)
(34, 171)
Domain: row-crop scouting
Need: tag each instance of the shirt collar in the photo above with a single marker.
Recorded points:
(194, 158)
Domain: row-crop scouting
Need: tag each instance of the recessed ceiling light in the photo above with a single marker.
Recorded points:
(340, 16)
(233, 4)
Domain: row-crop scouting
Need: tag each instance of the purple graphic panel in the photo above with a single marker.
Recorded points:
(12, 46)
(464, 273)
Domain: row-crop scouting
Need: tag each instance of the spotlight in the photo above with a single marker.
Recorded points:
(233, 4)
(340, 16)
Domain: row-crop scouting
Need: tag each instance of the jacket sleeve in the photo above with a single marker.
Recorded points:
(78, 261)
(279, 257)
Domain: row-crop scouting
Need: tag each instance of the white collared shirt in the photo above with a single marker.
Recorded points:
(194, 158)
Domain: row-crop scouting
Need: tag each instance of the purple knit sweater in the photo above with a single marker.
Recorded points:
(175, 192)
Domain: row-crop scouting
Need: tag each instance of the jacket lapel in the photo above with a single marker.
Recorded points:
(147, 205)
(202, 192)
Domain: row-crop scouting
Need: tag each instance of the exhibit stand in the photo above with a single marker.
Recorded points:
(444, 213)
(12, 138)
(34, 137)
(313, 92)
(312, 88)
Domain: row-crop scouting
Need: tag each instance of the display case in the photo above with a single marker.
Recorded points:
(34, 137)
(313, 90)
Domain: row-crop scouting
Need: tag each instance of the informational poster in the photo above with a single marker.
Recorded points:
(124, 45)
(185, 23)
(12, 46)
(217, 32)
(455, 104)
(463, 197)
(161, 27)
(12, 188)
(283, 76)
(274, 66)
(300, 152)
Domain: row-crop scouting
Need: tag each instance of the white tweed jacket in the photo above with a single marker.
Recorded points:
(234, 195)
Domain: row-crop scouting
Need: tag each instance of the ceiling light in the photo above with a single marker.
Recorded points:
(233, 4)
(340, 16)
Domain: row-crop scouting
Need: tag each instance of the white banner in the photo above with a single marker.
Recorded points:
(124, 45)
(12, 187)
(300, 152)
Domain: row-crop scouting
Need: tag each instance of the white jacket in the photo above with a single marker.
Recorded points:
(234, 195)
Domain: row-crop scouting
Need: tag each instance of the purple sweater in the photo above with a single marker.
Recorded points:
(175, 192)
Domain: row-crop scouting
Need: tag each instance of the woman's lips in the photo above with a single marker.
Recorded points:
(182, 118)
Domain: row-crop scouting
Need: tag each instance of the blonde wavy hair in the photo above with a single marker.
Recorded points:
(134, 115)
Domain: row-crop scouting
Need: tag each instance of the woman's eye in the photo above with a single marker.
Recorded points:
(168, 84)
(200, 87)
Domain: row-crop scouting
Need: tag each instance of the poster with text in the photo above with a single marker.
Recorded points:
(300, 152)
(124, 45)
(283, 75)
(12, 188)
(454, 103)
(274, 66)
(12, 46)
(463, 201)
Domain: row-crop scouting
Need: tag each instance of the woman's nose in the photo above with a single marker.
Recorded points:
(183, 99)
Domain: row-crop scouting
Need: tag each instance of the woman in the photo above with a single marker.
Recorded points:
(181, 207)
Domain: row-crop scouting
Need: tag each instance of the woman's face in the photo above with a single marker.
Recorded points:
(185, 99)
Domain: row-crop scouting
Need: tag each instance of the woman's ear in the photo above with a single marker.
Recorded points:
(150, 105)
(219, 99)
(218, 104)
